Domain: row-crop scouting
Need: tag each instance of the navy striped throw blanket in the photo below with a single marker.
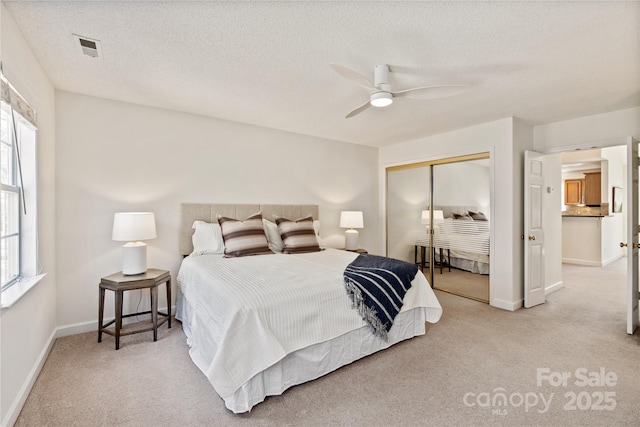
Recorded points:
(376, 286)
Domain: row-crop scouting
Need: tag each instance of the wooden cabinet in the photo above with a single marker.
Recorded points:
(592, 190)
(585, 191)
(573, 191)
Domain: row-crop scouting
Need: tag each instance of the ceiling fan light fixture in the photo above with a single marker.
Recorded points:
(382, 94)
(381, 99)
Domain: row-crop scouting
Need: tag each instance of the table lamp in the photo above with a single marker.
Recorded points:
(351, 220)
(438, 217)
(133, 227)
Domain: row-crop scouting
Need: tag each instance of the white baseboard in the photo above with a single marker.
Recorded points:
(513, 306)
(16, 407)
(612, 259)
(581, 262)
(592, 263)
(506, 305)
(92, 325)
(77, 328)
(552, 288)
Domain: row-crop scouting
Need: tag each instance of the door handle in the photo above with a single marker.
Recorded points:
(634, 245)
(532, 237)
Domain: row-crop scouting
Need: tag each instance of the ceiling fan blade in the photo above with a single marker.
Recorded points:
(430, 92)
(353, 76)
(359, 110)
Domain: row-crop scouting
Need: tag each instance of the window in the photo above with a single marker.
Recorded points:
(18, 211)
(10, 200)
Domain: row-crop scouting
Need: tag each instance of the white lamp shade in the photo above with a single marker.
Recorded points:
(437, 215)
(134, 226)
(351, 219)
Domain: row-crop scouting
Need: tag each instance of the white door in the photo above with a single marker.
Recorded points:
(632, 235)
(533, 232)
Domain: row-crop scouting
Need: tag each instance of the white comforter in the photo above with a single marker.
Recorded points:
(259, 309)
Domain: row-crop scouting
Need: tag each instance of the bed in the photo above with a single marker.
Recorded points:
(463, 236)
(257, 325)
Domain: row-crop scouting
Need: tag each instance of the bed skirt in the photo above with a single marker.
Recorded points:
(311, 362)
(471, 265)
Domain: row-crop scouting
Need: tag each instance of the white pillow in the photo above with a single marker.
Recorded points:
(207, 238)
(316, 228)
(273, 235)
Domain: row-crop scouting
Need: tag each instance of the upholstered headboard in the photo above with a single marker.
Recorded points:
(190, 212)
(448, 211)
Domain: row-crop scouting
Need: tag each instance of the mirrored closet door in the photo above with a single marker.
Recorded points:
(438, 216)
(408, 195)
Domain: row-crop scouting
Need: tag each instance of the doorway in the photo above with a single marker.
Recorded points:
(438, 217)
(590, 216)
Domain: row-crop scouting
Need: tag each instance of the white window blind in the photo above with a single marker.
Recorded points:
(17, 102)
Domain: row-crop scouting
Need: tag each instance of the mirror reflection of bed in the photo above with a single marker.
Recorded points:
(461, 252)
(459, 191)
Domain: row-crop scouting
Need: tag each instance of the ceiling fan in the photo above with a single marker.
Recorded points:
(381, 94)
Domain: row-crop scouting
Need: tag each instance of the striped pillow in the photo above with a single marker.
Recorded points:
(242, 238)
(298, 236)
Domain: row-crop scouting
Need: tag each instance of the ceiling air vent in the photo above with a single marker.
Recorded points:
(89, 47)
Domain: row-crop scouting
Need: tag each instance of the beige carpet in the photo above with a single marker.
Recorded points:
(460, 282)
(474, 351)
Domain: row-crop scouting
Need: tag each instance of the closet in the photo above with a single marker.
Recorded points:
(438, 217)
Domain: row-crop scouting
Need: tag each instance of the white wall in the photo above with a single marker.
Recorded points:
(28, 327)
(496, 137)
(590, 131)
(613, 226)
(582, 240)
(552, 220)
(114, 156)
(522, 141)
(462, 184)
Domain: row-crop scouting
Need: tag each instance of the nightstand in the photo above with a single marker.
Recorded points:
(444, 261)
(358, 251)
(118, 283)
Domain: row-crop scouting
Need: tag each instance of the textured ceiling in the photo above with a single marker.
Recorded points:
(267, 63)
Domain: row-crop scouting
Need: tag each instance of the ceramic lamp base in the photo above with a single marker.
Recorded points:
(134, 258)
(351, 240)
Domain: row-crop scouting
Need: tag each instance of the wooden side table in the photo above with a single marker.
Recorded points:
(119, 283)
(424, 262)
(358, 251)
